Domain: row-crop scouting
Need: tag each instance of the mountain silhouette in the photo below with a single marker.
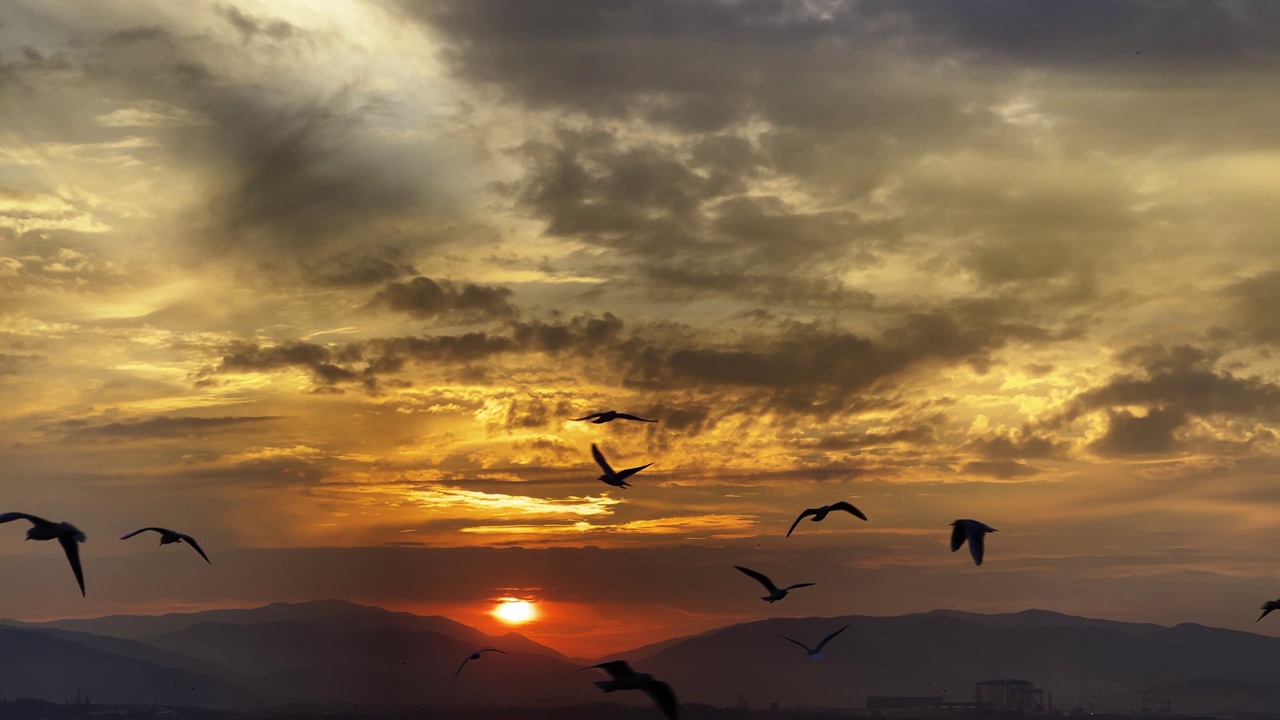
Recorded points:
(337, 652)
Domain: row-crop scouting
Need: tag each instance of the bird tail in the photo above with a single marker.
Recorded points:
(606, 685)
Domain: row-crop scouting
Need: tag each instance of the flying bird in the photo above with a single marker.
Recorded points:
(974, 532)
(820, 514)
(611, 415)
(775, 594)
(474, 656)
(65, 533)
(616, 478)
(169, 536)
(1267, 607)
(624, 678)
(816, 653)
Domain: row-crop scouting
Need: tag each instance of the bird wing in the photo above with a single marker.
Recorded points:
(10, 516)
(827, 639)
(842, 505)
(504, 652)
(599, 456)
(760, 578)
(664, 697)
(135, 532)
(617, 669)
(1265, 611)
(624, 474)
(72, 550)
(592, 415)
(806, 647)
(458, 672)
(625, 416)
(789, 588)
(977, 541)
(957, 535)
(803, 515)
(195, 546)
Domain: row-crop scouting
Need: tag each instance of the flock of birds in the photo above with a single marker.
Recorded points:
(622, 676)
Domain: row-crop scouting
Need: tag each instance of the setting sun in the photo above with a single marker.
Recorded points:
(514, 611)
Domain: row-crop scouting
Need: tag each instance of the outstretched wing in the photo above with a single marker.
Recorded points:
(10, 516)
(145, 529)
(458, 672)
(617, 669)
(599, 456)
(664, 697)
(806, 647)
(842, 505)
(504, 652)
(625, 416)
(1265, 611)
(977, 543)
(789, 588)
(827, 639)
(592, 416)
(72, 549)
(195, 546)
(760, 578)
(957, 535)
(803, 515)
(624, 474)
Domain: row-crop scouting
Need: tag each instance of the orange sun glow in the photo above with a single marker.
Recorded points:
(514, 612)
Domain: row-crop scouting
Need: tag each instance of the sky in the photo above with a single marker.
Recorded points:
(323, 285)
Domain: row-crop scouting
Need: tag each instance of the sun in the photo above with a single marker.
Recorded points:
(515, 612)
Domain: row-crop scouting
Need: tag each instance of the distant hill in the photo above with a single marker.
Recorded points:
(336, 652)
(1078, 660)
(37, 664)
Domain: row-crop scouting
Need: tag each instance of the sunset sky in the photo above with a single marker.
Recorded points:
(321, 284)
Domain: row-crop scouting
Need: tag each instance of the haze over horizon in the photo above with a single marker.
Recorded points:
(322, 287)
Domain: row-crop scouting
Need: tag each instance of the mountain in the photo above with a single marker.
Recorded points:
(337, 615)
(1078, 660)
(37, 664)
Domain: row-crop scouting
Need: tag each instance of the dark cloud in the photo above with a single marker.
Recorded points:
(1002, 469)
(252, 26)
(153, 428)
(1256, 299)
(1020, 447)
(19, 364)
(423, 298)
(1174, 385)
(360, 267)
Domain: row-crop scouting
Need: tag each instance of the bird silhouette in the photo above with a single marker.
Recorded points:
(624, 678)
(474, 656)
(65, 533)
(611, 415)
(775, 593)
(1267, 607)
(169, 536)
(616, 478)
(816, 653)
(820, 513)
(972, 531)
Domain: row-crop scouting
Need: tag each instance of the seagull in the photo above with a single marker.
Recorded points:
(775, 594)
(820, 514)
(816, 653)
(1267, 607)
(624, 678)
(474, 656)
(616, 478)
(974, 532)
(65, 533)
(169, 536)
(609, 416)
